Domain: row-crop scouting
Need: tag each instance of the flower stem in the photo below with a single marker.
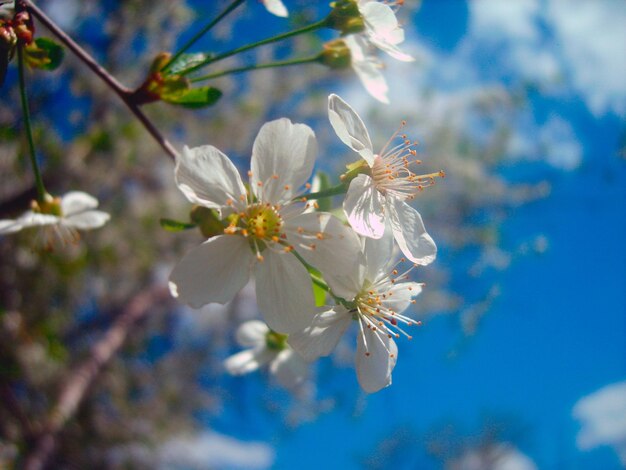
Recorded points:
(201, 33)
(41, 190)
(334, 191)
(124, 93)
(283, 63)
(247, 47)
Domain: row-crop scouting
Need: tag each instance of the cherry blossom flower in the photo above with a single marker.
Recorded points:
(379, 296)
(276, 7)
(266, 347)
(268, 229)
(382, 29)
(376, 199)
(59, 218)
(367, 67)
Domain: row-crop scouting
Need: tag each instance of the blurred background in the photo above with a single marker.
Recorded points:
(520, 362)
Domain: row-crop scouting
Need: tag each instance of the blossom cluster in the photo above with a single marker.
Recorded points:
(270, 227)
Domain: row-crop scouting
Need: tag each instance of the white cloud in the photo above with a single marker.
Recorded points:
(495, 19)
(603, 417)
(211, 450)
(493, 457)
(593, 36)
(559, 144)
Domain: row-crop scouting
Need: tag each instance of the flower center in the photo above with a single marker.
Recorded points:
(275, 341)
(392, 172)
(263, 222)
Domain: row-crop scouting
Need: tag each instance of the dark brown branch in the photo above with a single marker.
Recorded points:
(83, 376)
(124, 93)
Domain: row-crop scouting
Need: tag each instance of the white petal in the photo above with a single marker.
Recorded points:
(252, 333)
(214, 271)
(34, 219)
(283, 156)
(410, 233)
(378, 255)
(289, 369)
(248, 361)
(331, 247)
(276, 7)
(9, 226)
(400, 294)
(374, 370)
(364, 207)
(394, 51)
(367, 68)
(284, 292)
(321, 337)
(86, 220)
(383, 30)
(76, 202)
(350, 128)
(207, 177)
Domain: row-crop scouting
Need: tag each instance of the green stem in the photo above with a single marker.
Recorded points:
(202, 32)
(334, 191)
(283, 63)
(41, 190)
(247, 47)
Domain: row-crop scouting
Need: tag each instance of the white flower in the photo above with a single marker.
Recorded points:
(367, 67)
(266, 226)
(376, 201)
(382, 29)
(379, 295)
(266, 347)
(276, 7)
(60, 218)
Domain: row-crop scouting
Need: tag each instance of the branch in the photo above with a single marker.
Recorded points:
(124, 93)
(84, 375)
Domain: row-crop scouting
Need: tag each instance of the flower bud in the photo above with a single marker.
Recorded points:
(345, 17)
(335, 55)
(207, 221)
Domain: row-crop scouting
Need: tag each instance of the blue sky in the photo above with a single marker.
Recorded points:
(557, 331)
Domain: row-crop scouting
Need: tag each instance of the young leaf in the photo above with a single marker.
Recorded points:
(194, 97)
(187, 61)
(175, 226)
(44, 54)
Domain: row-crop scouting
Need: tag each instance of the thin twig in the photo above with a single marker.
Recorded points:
(124, 93)
(84, 375)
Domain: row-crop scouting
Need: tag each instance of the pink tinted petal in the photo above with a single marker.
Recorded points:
(289, 369)
(207, 177)
(284, 292)
(321, 337)
(374, 370)
(350, 128)
(283, 156)
(76, 202)
(329, 246)
(86, 220)
(248, 361)
(252, 334)
(364, 207)
(410, 233)
(213, 272)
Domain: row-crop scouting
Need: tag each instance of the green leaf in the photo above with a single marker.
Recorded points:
(173, 88)
(45, 54)
(195, 97)
(320, 295)
(175, 226)
(186, 62)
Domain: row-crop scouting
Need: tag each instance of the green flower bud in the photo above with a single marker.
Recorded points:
(335, 55)
(345, 17)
